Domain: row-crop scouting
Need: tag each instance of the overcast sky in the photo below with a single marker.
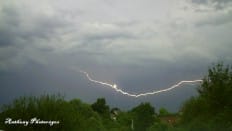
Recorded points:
(141, 45)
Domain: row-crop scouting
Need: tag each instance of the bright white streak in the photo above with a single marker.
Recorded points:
(141, 94)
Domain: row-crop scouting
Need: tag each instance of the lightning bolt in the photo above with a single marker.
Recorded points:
(114, 86)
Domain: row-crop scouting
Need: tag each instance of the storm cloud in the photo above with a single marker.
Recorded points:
(215, 4)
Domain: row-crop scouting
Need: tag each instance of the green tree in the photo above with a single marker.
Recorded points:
(163, 112)
(73, 115)
(44, 107)
(217, 87)
(87, 119)
(143, 116)
(100, 107)
(212, 109)
(124, 119)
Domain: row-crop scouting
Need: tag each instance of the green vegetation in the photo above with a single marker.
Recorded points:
(211, 110)
(73, 115)
(163, 112)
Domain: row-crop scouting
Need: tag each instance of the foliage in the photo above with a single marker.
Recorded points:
(212, 109)
(125, 120)
(158, 127)
(217, 88)
(72, 115)
(163, 112)
(143, 116)
(100, 107)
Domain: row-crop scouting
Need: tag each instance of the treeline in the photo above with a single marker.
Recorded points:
(211, 110)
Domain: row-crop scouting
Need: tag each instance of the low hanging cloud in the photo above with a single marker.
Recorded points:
(59, 31)
(215, 4)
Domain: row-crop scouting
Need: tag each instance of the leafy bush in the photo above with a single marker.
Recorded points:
(73, 115)
(212, 109)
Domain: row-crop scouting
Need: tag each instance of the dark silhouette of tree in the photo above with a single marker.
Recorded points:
(100, 107)
(73, 115)
(217, 88)
(212, 109)
(143, 116)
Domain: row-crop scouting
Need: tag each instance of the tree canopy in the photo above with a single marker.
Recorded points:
(212, 109)
(143, 116)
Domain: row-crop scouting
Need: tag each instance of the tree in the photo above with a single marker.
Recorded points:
(217, 87)
(87, 118)
(124, 119)
(73, 115)
(44, 107)
(163, 112)
(143, 116)
(100, 107)
(212, 109)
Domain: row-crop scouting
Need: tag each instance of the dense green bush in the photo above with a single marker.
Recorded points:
(143, 116)
(73, 115)
(212, 109)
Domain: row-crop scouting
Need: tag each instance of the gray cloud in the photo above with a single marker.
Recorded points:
(211, 1)
(217, 20)
(216, 4)
(19, 26)
(200, 1)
